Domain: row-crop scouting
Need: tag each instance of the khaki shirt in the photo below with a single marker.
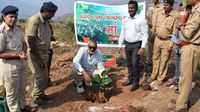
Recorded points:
(11, 40)
(192, 28)
(166, 24)
(40, 29)
(152, 13)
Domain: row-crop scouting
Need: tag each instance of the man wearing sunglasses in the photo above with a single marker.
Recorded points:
(87, 60)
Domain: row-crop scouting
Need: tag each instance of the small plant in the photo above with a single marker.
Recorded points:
(100, 83)
(101, 80)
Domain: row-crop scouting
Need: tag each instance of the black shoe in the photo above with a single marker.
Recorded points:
(126, 83)
(134, 88)
(149, 64)
(45, 97)
(26, 109)
(38, 101)
(51, 83)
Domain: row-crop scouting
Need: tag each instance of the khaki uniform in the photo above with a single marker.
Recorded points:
(38, 28)
(166, 26)
(2, 88)
(190, 56)
(152, 16)
(13, 71)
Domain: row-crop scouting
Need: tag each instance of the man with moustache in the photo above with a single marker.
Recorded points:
(151, 15)
(134, 34)
(38, 38)
(87, 61)
(166, 26)
(190, 56)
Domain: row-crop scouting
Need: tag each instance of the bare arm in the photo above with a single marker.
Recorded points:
(14, 55)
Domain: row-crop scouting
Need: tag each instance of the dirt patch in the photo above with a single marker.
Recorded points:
(120, 99)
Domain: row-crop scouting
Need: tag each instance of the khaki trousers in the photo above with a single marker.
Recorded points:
(15, 74)
(2, 88)
(190, 58)
(160, 59)
(40, 74)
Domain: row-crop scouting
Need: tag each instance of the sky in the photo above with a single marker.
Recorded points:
(30, 7)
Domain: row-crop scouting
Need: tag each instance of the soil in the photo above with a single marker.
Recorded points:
(120, 99)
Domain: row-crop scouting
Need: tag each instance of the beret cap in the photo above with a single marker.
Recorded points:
(169, 1)
(49, 6)
(9, 10)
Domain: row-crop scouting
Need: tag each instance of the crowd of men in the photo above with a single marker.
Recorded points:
(162, 25)
(156, 32)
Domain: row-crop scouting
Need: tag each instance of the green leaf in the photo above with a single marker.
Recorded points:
(106, 81)
(96, 78)
(104, 74)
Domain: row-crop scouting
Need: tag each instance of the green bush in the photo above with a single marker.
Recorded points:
(64, 31)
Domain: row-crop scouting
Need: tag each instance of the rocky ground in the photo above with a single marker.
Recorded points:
(120, 99)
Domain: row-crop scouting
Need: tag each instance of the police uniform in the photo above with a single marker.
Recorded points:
(2, 88)
(152, 16)
(190, 56)
(39, 29)
(166, 26)
(13, 71)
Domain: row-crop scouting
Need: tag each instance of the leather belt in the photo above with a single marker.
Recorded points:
(132, 42)
(183, 43)
(164, 38)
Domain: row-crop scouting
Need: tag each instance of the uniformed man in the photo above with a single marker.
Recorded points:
(13, 66)
(190, 55)
(151, 19)
(2, 88)
(38, 37)
(177, 52)
(166, 26)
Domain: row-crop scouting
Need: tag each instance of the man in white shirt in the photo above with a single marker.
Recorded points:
(134, 34)
(87, 60)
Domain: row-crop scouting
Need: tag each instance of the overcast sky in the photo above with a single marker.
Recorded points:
(30, 7)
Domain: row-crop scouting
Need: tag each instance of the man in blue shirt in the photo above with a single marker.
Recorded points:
(87, 60)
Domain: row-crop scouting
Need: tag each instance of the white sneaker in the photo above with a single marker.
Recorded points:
(80, 88)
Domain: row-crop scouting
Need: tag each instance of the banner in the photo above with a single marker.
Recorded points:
(102, 22)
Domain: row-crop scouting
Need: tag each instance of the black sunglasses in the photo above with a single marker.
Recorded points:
(92, 47)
